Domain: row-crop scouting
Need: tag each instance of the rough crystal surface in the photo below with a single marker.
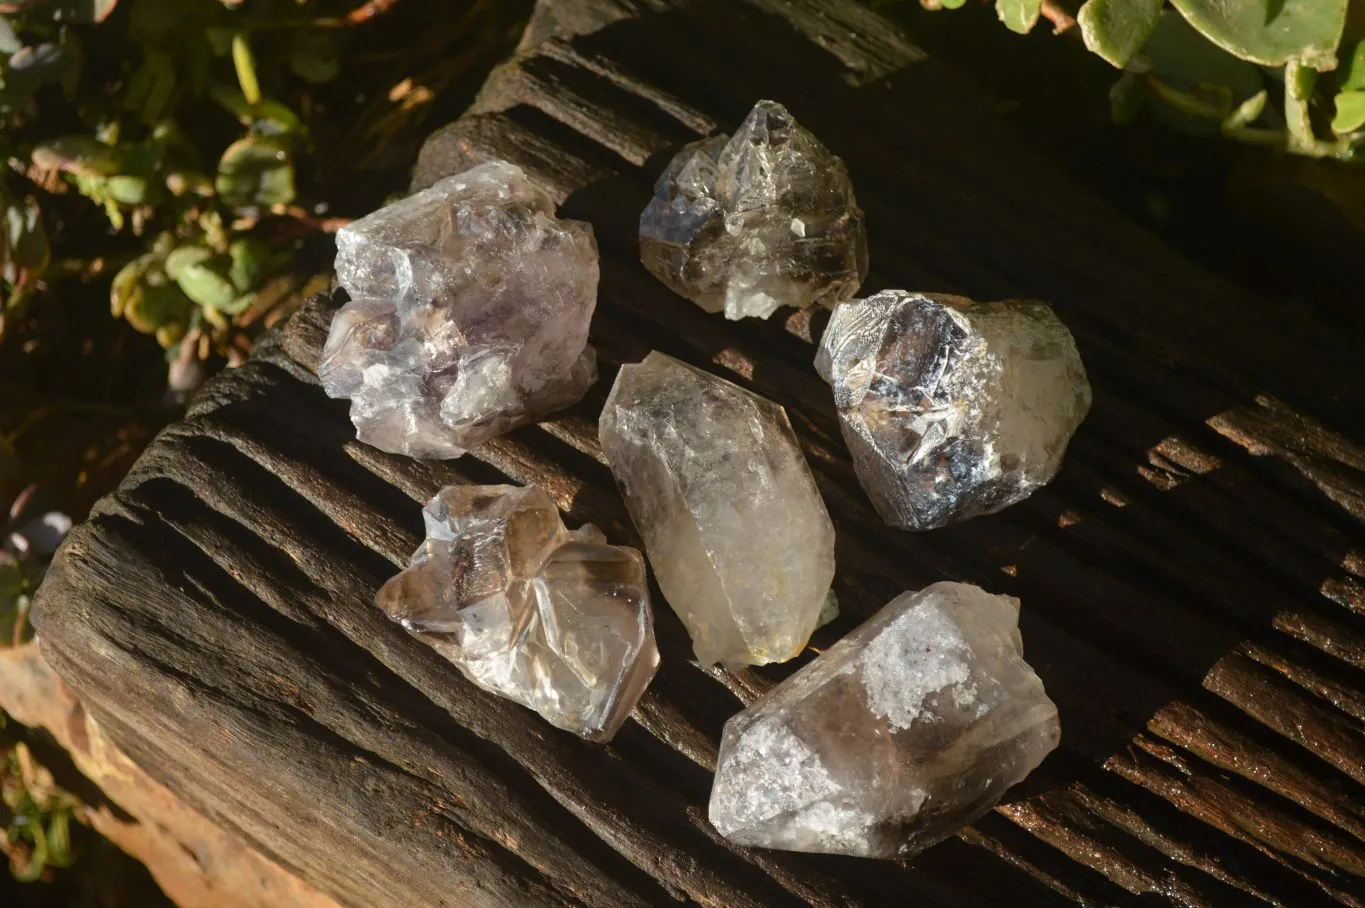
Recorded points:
(763, 219)
(904, 731)
(469, 312)
(731, 518)
(952, 408)
(557, 620)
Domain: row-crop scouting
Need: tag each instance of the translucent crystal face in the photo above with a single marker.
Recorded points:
(557, 620)
(731, 517)
(469, 313)
(907, 729)
(952, 408)
(763, 219)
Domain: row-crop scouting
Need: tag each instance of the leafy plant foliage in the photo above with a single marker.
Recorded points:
(176, 140)
(1216, 66)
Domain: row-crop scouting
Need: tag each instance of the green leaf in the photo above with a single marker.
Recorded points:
(185, 257)
(1018, 15)
(203, 276)
(125, 282)
(1350, 112)
(1116, 29)
(255, 172)
(9, 42)
(80, 155)
(1182, 59)
(129, 190)
(250, 262)
(951, 4)
(245, 63)
(269, 117)
(1352, 73)
(1248, 112)
(1271, 32)
(30, 69)
(145, 295)
(24, 249)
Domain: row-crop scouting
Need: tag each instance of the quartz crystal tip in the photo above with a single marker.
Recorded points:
(558, 621)
(744, 224)
(952, 408)
(469, 312)
(734, 525)
(906, 730)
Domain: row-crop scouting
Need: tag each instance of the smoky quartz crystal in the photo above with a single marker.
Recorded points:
(898, 735)
(765, 218)
(732, 520)
(554, 619)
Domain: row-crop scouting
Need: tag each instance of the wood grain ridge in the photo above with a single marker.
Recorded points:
(1190, 582)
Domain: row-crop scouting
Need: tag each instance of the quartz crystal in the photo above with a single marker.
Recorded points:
(906, 730)
(469, 312)
(952, 408)
(731, 518)
(763, 219)
(556, 620)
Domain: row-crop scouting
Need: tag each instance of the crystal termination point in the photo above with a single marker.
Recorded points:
(898, 735)
(763, 219)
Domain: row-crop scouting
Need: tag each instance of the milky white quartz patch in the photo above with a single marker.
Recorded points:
(734, 525)
(906, 730)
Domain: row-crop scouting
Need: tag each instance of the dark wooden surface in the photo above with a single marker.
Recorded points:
(1191, 582)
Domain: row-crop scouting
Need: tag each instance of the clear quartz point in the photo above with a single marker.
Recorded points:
(744, 224)
(906, 730)
(556, 620)
(734, 525)
(469, 312)
(952, 408)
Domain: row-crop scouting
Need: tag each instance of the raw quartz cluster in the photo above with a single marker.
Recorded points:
(952, 408)
(556, 620)
(744, 224)
(734, 525)
(906, 730)
(469, 312)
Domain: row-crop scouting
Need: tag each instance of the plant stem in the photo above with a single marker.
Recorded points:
(20, 623)
(1062, 21)
(245, 63)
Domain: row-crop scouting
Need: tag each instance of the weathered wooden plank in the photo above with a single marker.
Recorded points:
(1191, 582)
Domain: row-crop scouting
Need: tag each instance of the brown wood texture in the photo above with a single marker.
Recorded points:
(1192, 582)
